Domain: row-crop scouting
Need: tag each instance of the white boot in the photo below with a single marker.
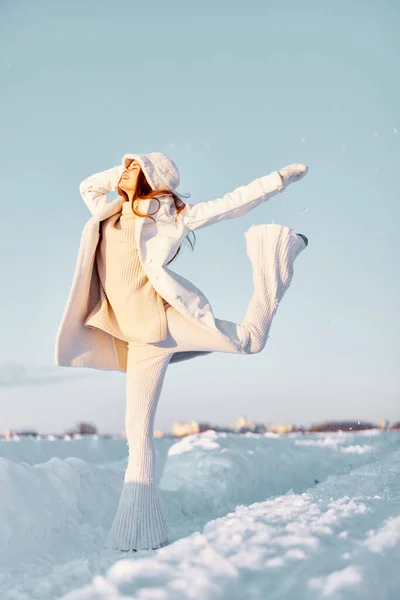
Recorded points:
(292, 173)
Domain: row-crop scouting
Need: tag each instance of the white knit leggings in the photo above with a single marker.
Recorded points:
(139, 522)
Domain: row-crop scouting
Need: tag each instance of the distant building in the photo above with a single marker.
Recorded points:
(341, 426)
(86, 428)
(12, 435)
(158, 433)
(180, 429)
(243, 424)
(281, 428)
(28, 433)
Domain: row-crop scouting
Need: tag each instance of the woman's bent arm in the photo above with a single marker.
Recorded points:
(93, 189)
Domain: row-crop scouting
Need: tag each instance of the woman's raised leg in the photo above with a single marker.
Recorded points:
(272, 250)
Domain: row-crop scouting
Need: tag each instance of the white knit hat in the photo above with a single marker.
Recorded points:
(159, 170)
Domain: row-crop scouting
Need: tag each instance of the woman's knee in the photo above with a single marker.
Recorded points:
(255, 341)
(253, 347)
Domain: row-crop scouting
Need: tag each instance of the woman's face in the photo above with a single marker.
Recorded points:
(130, 176)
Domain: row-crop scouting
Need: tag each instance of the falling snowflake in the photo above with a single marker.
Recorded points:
(395, 130)
(304, 210)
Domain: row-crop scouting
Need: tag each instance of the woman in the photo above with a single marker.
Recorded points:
(129, 311)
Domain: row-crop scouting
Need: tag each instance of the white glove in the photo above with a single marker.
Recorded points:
(292, 173)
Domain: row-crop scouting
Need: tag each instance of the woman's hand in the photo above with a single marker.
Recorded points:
(292, 173)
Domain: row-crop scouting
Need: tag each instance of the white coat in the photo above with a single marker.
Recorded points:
(80, 346)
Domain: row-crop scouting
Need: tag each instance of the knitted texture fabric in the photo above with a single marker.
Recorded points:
(140, 521)
(158, 168)
(129, 307)
(272, 250)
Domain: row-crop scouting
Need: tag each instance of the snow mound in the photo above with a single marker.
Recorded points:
(250, 517)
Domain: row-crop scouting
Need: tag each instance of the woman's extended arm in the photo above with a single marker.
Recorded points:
(242, 199)
(93, 189)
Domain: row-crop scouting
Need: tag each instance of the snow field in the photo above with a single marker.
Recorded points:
(251, 516)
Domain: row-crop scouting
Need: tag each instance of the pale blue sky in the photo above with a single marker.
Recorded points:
(231, 91)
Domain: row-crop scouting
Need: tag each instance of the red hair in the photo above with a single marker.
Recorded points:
(144, 192)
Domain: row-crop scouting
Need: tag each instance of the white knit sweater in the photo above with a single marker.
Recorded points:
(129, 307)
